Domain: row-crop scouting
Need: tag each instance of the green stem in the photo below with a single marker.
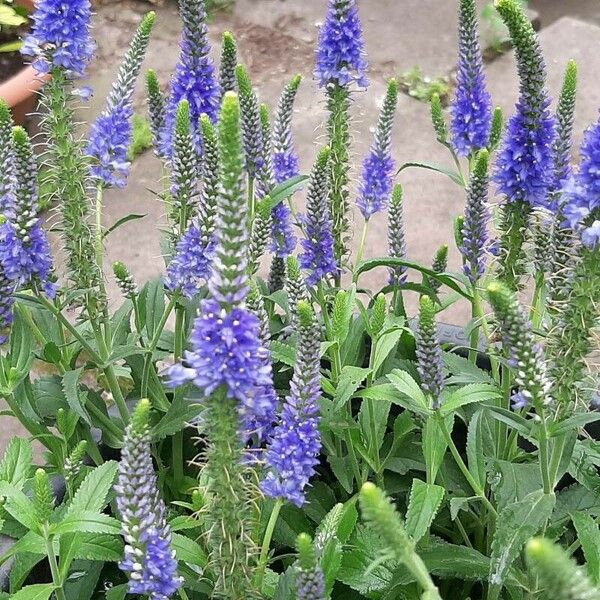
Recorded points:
(177, 439)
(556, 459)
(417, 567)
(463, 467)
(266, 544)
(56, 579)
(544, 455)
(99, 245)
(115, 389)
(361, 247)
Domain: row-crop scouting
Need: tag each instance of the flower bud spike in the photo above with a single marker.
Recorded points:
(497, 129)
(429, 353)
(318, 256)
(310, 581)
(378, 167)
(125, 280)
(526, 354)
(285, 157)
(251, 123)
(396, 236)
(227, 79)
(156, 107)
(295, 443)
(438, 120)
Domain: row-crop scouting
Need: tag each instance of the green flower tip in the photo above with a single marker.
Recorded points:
(230, 103)
(426, 309)
(229, 40)
(397, 194)
(152, 81)
(370, 495)
(323, 157)
(5, 114)
(183, 121)
(305, 313)
(293, 268)
(148, 22)
(306, 553)
(500, 296)
(141, 416)
(482, 163)
(296, 81)
(20, 137)
(264, 115)
(392, 89)
(243, 79)
(3, 219)
(120, 270)
(442, 254)
(571, 75)
(207, 126)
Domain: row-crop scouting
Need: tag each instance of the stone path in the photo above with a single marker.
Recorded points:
(277, 39)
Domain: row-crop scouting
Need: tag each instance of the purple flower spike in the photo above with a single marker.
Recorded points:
(284, 240)
(195, 78)
(109, 143)
(582, 192)
(149, 559)
(285, 158)
(472, 107)
(60, 37)
(190, 268)
(293, 452)
(525, 166)
(341, 52)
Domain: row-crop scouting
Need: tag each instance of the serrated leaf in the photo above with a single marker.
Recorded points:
(19, 506)
(464, 371)
(512, 482)
(180, 414)
(358, 570)
(98, 546)
(40, 591)
(475, 448)
(435, 445)
(512, 419)
(384, 346)
(93, 492)
(588, 533)
(75, 397)
(87, 522)
(425, 501)
(330, 561)
(117, 592)
(469, 394)
(17, 462)
(350, 380)
(516, 524)
(283, 352)
(189, 551)
(574, 422)
(409, 388)
(458, 503)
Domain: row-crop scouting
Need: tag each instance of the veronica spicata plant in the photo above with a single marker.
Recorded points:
(298, 434)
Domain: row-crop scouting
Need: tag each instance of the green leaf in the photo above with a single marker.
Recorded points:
(475, 448)
(19, 506)
(446, 279)
(155, 305)
(407, 386)
(435, 445)
(75, 397)
(464, 371)
(283, 191)
(424, 503)
(350, 380)
(97, 546)
(40, 591)
(574, 422)
(384, 346)
(459, 503)
(282, 352)
(21, 345)
(512, 419)
(588, 533)
(93, 492)
(331, 560)
(339, 522)
(517, 523)
(87, 522)
(469, 394)
(512, 482)
(189, 551)
(360, 569)
(117, 592)
(180, 413)
(11, 46)
(122, 221)
(17, 462)
(429, 166)
(342, 314)
(83, 580)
